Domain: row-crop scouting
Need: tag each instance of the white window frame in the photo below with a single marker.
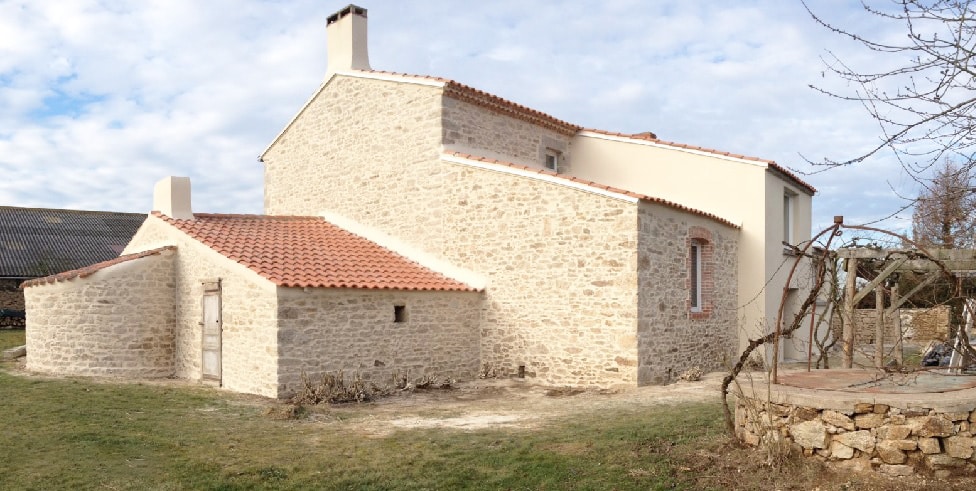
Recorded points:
(554, 157)
(789, 216)
(695, 273)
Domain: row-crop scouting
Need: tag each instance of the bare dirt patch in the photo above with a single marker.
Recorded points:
(508, 403)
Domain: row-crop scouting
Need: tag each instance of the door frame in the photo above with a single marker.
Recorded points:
(212, 288)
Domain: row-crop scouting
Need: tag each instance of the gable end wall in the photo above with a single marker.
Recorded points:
(117, 322)
(249, 310)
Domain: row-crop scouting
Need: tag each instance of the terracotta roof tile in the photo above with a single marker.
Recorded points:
(90, 270)
(296, 251)
(596, 185)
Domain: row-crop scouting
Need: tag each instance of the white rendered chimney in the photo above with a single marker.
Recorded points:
(171, 197)
(346, 32)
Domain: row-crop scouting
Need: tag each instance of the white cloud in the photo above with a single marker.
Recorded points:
(178, 87)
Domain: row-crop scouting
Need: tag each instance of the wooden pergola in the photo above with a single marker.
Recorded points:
(883, 264)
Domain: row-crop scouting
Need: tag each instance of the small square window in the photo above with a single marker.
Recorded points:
(399, 313)
(552, 160)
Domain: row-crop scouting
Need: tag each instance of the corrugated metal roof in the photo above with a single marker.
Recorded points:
(38, 242)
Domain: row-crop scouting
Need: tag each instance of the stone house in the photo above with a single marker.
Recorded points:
(36, 242)
(250, 302)
(542, 272)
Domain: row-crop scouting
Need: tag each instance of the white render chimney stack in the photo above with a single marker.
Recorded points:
(346, 33)
(171, 197)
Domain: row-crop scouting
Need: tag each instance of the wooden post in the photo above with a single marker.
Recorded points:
(849, 289)
(879, 327)
(896, 320)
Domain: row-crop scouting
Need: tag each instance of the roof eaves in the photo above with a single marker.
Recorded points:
(90, 270)
(254, 264)
(649, 139)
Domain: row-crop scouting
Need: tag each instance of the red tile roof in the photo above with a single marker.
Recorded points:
(596, 185)
(309, 252)
(90, 270)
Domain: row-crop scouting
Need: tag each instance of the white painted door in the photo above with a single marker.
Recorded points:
(211, 334)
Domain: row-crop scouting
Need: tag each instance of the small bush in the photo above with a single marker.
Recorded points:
(286, 412)
(333, 389)
(692, 374)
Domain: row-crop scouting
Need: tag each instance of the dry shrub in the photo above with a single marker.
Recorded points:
(692, 374)
(286, 412)
(333, 388)
(563, 391)
(488, 371)
(400, 381)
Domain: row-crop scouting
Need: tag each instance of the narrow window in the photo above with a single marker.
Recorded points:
(552, 160)
(789, 205)
(695, 272)
(399, 313)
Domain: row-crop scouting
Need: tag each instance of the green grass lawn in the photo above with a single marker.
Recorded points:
(10, 338)
(80, 434)
(76, 434)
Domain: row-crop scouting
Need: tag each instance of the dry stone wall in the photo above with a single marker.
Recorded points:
(671, 338)
(249, 311)
(893, 440)
(924, 325)
(115, 322)
(919, 325)
(327, 330)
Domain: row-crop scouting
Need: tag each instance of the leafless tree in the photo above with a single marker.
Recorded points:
(945, 211)
(925, 101)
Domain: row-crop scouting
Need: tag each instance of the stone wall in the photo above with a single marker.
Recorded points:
(560, 261)
(560, 258)
(115, 322)
(899, 440)
(471, 129)
(919, 325)
(357, 129)
(326, 330)
(249, 312)
(924, 325)
(11, 298)
(671, 338)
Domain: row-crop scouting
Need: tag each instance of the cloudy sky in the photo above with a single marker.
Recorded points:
(100, 99)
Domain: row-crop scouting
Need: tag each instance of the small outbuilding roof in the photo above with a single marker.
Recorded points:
(295, 251)
(94, 268)
(38, 242)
